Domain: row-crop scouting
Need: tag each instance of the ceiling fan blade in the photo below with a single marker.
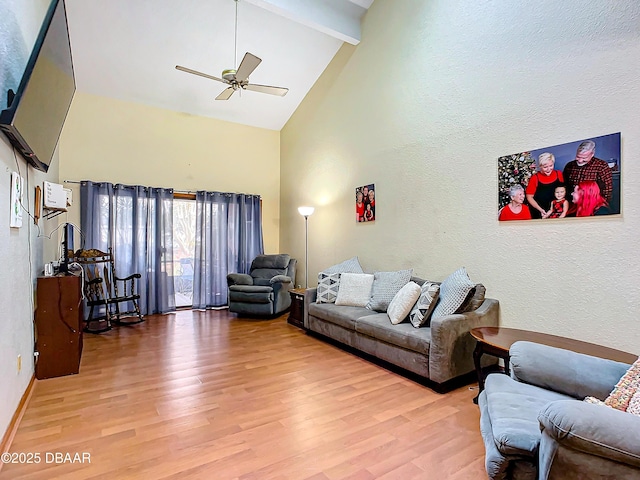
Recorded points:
(226, 94)
(281, 91)
(195, 72)
(247, 66)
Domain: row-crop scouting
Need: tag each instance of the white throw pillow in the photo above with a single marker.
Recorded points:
(403, 301)
(355, 289)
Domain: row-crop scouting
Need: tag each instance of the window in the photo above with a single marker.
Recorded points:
(184, 234)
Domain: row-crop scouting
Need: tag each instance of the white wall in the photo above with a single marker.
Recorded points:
(23, 251)
(424, 106)
(122, 142)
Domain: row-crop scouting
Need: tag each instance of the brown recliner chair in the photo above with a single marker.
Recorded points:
(265, 290)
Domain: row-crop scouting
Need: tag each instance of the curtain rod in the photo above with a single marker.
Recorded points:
(185, 192)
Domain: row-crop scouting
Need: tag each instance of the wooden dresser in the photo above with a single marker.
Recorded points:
(59, 318)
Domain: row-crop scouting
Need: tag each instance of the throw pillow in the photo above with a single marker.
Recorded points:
(453, 292)
(348, 266)
(328, 284)
(626, 388)
(475, 301)
(355, 289)
(426, 303)
(385, 287)
(403, 301)
(634, 404)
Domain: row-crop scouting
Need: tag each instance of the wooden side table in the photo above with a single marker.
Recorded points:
(296, 314)
(58, 322)
(497, 341)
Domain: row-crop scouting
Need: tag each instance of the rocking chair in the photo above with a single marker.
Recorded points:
(105, 291)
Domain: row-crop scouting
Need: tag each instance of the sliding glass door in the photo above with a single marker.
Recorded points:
(184, 234)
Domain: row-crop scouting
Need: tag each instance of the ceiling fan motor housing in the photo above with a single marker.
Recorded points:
(229, 74)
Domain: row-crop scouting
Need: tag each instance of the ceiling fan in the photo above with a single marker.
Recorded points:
(239, 79)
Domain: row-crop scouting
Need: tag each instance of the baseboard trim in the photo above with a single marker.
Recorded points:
(17, 417)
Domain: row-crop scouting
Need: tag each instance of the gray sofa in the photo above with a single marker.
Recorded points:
(439, 353)
(535, 425)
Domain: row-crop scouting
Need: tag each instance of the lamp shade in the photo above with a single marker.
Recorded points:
(306, 211)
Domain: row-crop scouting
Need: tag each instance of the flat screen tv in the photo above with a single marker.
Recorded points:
(36, 112)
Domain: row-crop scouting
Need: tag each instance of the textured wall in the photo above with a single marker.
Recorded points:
(23, 251)
(121, 142)
(425, 105)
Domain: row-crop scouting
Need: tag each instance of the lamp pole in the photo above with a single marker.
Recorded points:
(306, 251)
(305, 212)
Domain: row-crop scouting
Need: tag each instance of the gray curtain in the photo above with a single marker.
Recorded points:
(228, 238)
(137, 223)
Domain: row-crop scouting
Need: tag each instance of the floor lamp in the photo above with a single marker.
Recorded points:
(305, 212)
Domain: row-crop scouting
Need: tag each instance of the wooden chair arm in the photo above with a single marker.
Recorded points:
(130, 277)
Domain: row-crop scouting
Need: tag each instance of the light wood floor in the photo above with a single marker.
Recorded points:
(206, 395)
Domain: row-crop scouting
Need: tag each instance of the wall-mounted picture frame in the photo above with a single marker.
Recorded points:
(366, 203)
(575, 179)
(17, 186)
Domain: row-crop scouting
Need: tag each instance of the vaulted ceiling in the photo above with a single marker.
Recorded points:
(128, 50)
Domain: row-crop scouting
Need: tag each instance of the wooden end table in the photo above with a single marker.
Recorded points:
(497, 341)
(296, 314)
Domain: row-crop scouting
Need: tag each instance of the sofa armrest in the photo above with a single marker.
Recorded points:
(280, 279)
(451, 349)
(281, 288)
(564, 371)
(239, 279)
(588, 428)
(310, 296)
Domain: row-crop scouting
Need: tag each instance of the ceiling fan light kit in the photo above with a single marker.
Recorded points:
(239, 79)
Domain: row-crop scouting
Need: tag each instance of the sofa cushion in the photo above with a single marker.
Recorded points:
(348, 266)
(250, 288)
(403, 302)
(250, 294)
(355, 289)
(402, 335)
(385, 287)
(267, 273)
(328, 284)
(513, 409)
(423, 308)
(453, 293)
(339, 315)
(239, 279)
(271, 261)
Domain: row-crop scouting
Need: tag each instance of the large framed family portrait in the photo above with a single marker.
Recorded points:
(366, 203)
(575, 179)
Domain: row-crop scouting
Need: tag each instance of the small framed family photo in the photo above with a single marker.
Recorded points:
(576, 179)
(366, 203)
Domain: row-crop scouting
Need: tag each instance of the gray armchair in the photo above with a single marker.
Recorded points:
(265, 290)
(535, 425)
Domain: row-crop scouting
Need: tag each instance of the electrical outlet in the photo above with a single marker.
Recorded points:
(19, 363)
